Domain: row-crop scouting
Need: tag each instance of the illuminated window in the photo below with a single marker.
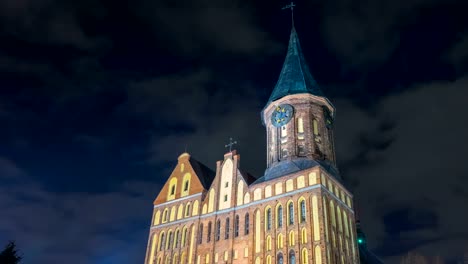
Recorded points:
(268, 219)
(315, 127)
(292, 240)
(280, 241)
(162, 239)
(303, 211)
(291, 213)
(176, 240)
(305, 256)
(184, 237)
(280, 216)
(187, 210)
(268, 243)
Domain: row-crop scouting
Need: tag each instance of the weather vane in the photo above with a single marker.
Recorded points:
(290, 6)
(231, 143)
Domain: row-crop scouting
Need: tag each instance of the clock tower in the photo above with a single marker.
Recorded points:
(298, 119)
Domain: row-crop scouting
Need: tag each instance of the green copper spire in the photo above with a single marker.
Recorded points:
(295, 76)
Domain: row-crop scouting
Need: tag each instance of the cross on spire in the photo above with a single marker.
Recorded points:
(290, 6)
(231, 143)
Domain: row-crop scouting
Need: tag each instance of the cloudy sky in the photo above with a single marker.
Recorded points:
(98, 98)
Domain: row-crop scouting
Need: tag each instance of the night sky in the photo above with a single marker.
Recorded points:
(99, 98)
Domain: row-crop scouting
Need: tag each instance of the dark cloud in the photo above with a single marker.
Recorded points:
(422, 168)
(209, 27)
(74, 227)
(363, 34)
(50, 22)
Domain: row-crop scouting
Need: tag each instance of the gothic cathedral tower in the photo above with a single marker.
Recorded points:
(298, 119)
(299, 211)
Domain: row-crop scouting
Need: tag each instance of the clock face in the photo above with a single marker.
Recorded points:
(281, 115)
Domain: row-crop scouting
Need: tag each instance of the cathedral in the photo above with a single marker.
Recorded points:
(299, 211)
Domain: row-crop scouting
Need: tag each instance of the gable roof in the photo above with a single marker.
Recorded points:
(204, 174)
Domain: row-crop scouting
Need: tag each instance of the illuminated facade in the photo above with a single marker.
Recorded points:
(298, 212)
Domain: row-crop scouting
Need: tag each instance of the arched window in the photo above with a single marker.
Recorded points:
(305, 256)
(292, 239)
(170, 239)
(279, 216)
(292, 257)
(218, 230)
(279, 243)
(304, 236)
(246, 224)
(268, 219)
(236, 226)
(291, 213)
(162, 239)
(184, 236)
(165, 215)
(315, 127)
(200, 234)
(186, 185)
(177, 236)
(303, 211)
(226, 234)
(279, 259)
(268, 243)
(208, 236)
(268, 259)
(187, 210)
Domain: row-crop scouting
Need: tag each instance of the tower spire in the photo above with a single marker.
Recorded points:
(290, 6)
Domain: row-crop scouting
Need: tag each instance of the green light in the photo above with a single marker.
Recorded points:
(360, 240)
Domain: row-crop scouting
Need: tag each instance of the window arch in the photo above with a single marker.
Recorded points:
(226, 233)
(186, 184)
(236, 226)
(184, 236)
(280, 241)
(340, 224)
(332, 213)
(200, 234)
(268, 259)
(195, 208)
(315, 127)
(169, 239)
(172, 188)
(165, 215)
(176, 240)
(157, 215)
(291, 212)
(162, 239)
(305, 256)
(292, 257)
(268, 219)
(187, 209)
(345, 220)
(279, 216)
(208, 236)
(218, 229)
(304, 236)
(302, 212)
(279, 259)
(246, 224)
(175, 258)
(268, 243)
(292, 240)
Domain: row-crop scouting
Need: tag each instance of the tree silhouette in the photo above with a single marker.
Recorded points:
(10, 255)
